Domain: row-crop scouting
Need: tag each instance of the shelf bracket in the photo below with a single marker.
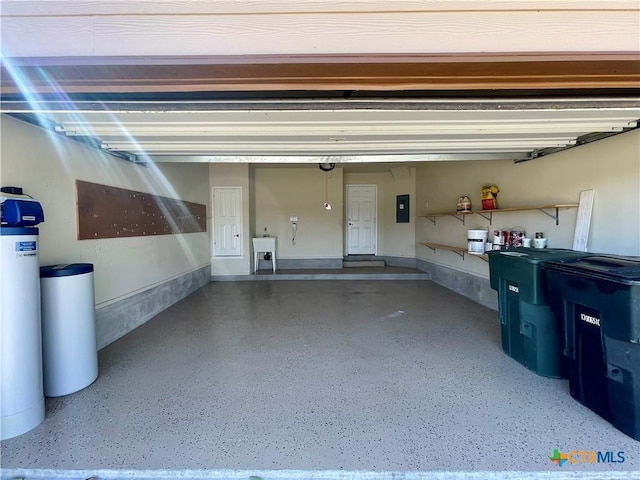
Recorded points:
(556, 217)
(487, 216)
(433, 249)
(432, 219)
(459, 217)
(461, 254)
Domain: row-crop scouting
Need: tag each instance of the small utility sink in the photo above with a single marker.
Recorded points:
(264, 245)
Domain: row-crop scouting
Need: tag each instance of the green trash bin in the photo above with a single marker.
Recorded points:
(531, 333)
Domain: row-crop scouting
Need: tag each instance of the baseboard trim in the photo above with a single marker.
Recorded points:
(474, 287)
(119, 318)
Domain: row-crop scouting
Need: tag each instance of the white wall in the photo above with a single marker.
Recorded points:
(281, 193)
(611, 167)
(234, 175)
(47, 166)
(394, 239)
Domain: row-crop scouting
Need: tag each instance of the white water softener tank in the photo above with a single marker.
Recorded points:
(70, 355)
(22, 396)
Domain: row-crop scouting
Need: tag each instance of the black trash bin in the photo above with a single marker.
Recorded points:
(598, 298)
(531, 333)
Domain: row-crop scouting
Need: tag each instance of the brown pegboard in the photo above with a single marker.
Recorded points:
(111, 212)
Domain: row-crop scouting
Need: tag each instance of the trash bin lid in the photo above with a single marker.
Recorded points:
(535, 255)
(65, 270)
(608, 267)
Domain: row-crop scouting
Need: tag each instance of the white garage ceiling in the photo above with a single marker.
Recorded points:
(493, 48)
(352, 131)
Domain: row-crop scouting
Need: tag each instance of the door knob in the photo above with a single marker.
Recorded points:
(237, 235)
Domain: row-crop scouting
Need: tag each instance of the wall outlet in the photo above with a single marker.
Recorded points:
(293, 219)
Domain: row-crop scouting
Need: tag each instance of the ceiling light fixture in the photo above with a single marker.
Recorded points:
(327, 205)
(326, 168)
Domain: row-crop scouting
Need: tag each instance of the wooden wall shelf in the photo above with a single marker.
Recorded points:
(461, 251)
(488, 214)
(549, 210)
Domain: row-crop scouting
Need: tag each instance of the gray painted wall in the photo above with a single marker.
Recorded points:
(471, 286)
(407, 262)
(118, 319)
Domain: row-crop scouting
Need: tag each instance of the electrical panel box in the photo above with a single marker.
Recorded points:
(402, 208)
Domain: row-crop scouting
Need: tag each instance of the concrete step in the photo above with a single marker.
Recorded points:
(362, 263)
(359, 258)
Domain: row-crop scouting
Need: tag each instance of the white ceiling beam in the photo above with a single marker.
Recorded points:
(426, 139)
(76, 106)
(323, 149)
(344, 116)
(335, 149)
(342, 132)
(339, 159)
(338, 132)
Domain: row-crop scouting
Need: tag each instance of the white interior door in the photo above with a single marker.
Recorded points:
(227, 221)
(361, 219)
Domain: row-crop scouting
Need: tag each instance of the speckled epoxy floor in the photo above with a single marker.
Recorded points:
(316, 375)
